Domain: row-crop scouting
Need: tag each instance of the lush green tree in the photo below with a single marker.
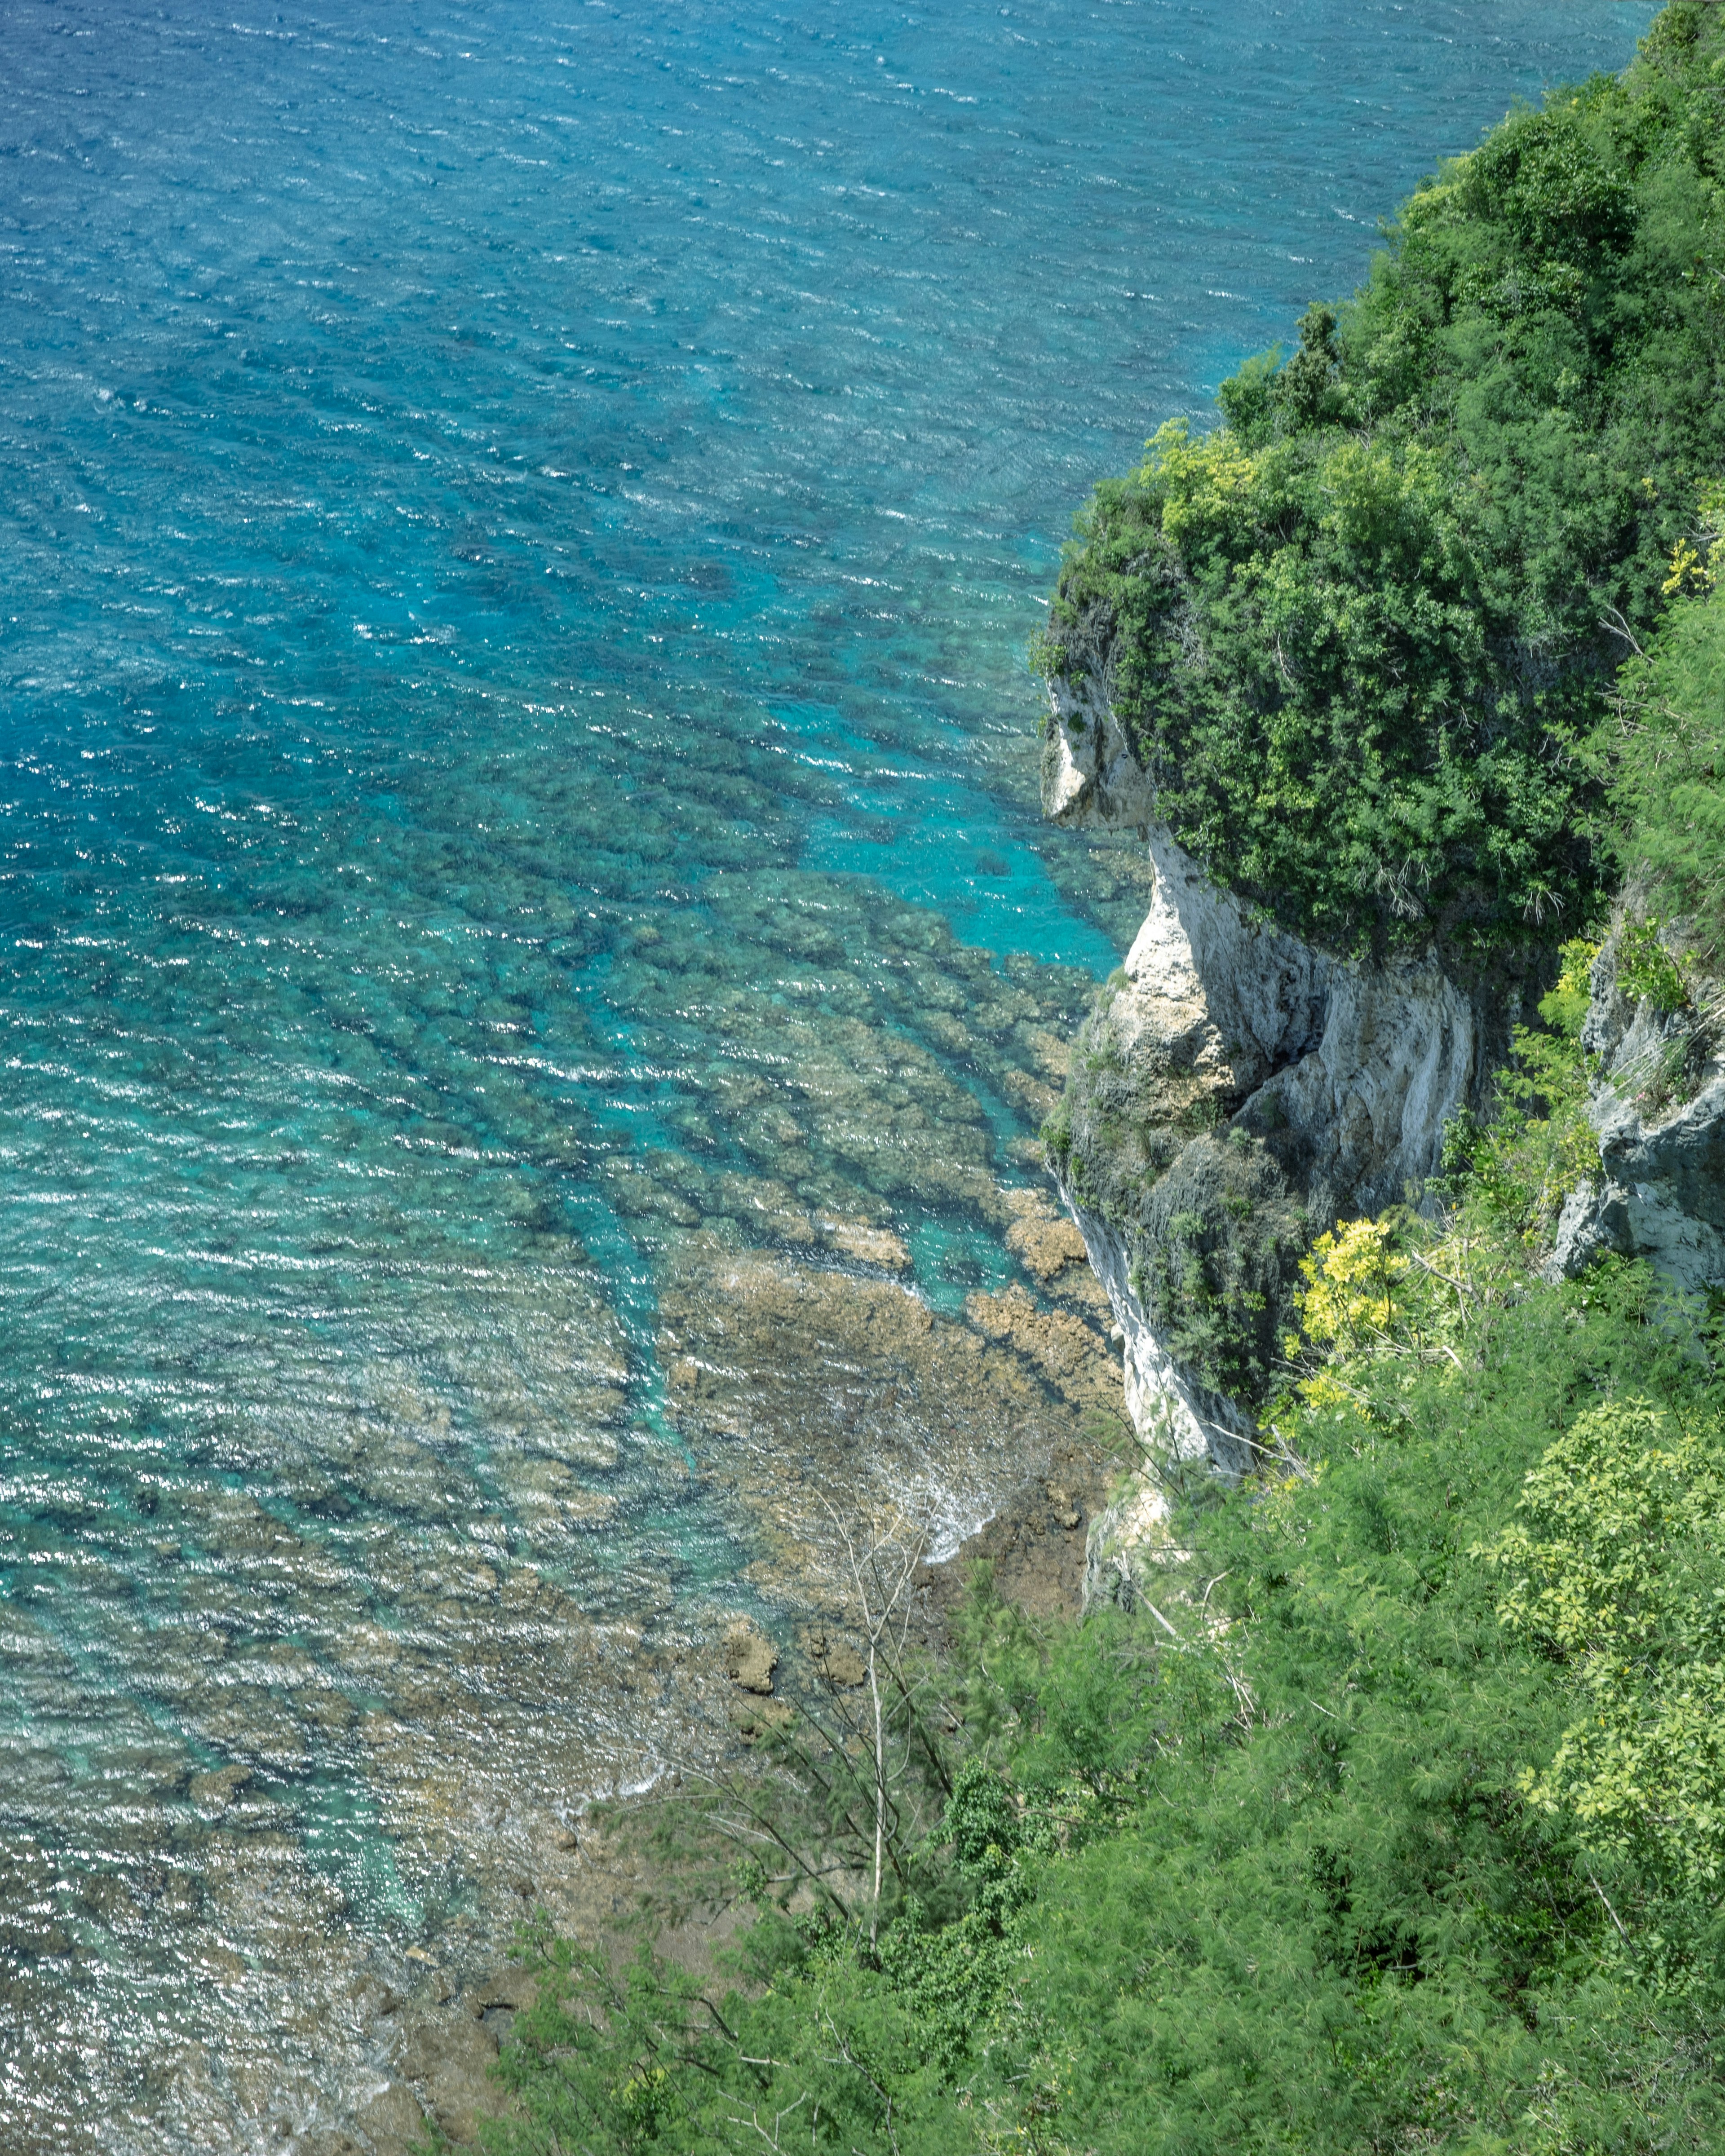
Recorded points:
(1356, 633)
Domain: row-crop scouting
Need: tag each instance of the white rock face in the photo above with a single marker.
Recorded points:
(1182, 1425)
(1364, 1064)
(1089, 772)
(1181, 1422)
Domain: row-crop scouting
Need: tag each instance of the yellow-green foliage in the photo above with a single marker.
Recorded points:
(1347, 1305)
(1512, 1171)
(1564, 1008)
(1698, 557)
(1350, 1280)
(1648, 970)
(1403, 1286)
(1618, 1566)
(1398, 1290)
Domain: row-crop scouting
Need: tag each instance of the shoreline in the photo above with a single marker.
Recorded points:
(441, 2039)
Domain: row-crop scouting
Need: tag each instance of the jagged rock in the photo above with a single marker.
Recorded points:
(1089, 772)
(392, 2119)
(218, 1790)
(750, 1658)
(1302, 1086)
(1658, 1112)
(836, 1659)
(753, 1718)
(1044, 1245)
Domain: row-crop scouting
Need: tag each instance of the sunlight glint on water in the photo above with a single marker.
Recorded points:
(520, 530)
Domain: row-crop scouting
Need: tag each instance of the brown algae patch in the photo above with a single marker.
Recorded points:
(810, 1396)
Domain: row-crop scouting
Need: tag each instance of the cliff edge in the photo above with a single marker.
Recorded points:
(1657, 1112)
(1235, 1092)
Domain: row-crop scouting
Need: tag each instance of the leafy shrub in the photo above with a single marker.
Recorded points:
(1538, 1146)
(1647, 971)
(1618, 1566)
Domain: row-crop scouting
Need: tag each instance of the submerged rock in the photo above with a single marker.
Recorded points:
(750, 1657)
(835, 1658)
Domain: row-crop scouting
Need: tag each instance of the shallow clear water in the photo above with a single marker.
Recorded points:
(518, 530)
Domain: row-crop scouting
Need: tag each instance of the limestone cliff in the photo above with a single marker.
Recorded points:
(1658, 1112)
(1234, 1093)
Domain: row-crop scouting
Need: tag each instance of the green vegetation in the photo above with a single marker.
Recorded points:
(1398, 1822)
(1665, 748)
(1518, 1165)
(1215, 1224)
(1399, 1825)
(1360, 635)
(1426, 643)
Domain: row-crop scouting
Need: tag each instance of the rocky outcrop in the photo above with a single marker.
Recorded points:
(1658, 1112)
(1235, 1092)
(1363, 1064)
(750, 1657)
(1089, 772)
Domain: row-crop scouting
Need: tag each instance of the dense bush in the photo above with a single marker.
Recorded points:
(1358, 633)
(1665, 748)
(1401, 1826)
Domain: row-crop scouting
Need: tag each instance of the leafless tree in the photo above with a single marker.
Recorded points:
(845, 1775)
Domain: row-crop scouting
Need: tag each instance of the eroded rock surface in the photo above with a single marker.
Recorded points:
(1658, 1112)
(750, 1657)
(1235, 1092)
(817, 1401)
(1089, 775)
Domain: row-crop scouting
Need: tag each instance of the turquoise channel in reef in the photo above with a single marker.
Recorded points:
(490, 494)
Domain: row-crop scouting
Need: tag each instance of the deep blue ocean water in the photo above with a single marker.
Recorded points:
(519, 526)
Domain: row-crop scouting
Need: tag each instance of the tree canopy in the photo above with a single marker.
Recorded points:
(1359, 633)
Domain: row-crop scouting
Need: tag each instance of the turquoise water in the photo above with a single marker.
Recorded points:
(519, 532)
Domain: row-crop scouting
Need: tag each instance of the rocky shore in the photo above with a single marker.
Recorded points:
(1235, 1092)
(434, 2042)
